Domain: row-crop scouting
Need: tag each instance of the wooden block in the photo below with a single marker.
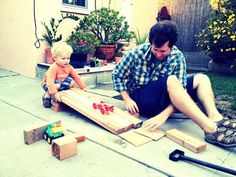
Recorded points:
(185, 140)
(35, 133)
(154, 135)
(64, 147)
(135, 138)
(57, 107)
(78, 136)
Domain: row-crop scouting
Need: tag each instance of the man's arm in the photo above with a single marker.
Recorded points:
(157, 121)
(130, 104)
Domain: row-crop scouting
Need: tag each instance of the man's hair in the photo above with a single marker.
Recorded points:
(162, 32)
(61, 47)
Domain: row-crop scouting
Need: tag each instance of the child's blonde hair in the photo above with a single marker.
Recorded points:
(61, 47)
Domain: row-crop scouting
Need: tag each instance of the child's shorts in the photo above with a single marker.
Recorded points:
(65, 85)
(153, 98)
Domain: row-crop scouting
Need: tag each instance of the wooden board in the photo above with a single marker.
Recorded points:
(116, 122)
(135, 138)
(185, 140)
(35, 133)
(154, 135)
(76, 135)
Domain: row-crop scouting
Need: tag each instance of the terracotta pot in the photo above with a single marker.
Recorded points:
(48, 56)
(105, 52)
(117, 59)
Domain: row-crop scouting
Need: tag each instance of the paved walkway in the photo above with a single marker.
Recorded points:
(101, 155)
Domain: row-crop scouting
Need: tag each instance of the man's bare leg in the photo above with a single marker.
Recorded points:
(205, 94)
(183, 102)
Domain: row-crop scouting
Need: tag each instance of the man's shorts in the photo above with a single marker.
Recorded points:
(65, 85)
(153, 98)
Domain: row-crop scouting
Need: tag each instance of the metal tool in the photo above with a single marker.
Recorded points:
(177, 155)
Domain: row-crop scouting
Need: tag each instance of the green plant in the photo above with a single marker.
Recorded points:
(51, 30)
(84, 43)
(95, 62)
(218, 39)
(107, 25)
(140, 39)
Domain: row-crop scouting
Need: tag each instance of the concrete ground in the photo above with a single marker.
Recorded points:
(101, 155)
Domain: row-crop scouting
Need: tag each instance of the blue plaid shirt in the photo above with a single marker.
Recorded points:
(139, 66)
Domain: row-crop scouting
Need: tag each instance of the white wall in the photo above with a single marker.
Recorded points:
(17, 51)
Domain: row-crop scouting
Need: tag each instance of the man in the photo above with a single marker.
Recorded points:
(152, 80)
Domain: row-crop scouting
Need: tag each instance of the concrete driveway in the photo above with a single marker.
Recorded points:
(101, 155)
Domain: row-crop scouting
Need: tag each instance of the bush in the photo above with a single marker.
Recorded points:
(83, 43)
(107, 25)
(218, 39)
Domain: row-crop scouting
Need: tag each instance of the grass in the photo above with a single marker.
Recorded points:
(224, 87)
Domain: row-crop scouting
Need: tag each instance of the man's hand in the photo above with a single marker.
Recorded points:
(131, 106)
(154, 123)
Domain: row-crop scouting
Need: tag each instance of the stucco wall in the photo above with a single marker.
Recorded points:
(17, 51)
(17, 31)
(143, 15)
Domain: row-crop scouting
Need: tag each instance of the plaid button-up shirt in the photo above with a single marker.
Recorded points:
(139, 66)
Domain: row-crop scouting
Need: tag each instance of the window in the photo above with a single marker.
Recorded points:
(81, 3)
(75, 6)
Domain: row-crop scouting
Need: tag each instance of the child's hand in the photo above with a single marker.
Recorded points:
(57, 97)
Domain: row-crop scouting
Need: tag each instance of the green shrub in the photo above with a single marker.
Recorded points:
(218, 39)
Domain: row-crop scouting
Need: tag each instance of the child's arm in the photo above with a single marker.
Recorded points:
(51, 76)
(77, 79)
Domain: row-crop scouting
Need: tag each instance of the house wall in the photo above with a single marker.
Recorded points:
(143, 15)
(17, 31)
(17, 51)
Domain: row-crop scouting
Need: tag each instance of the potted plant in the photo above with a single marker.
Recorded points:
(95, 62)
(51, 36)
(109, 27)
(218, 38)
(140, 38)
(83, 44)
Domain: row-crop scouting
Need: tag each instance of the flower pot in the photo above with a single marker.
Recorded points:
(117, 59)
(78, 60)
(105, 52)
(48, 56)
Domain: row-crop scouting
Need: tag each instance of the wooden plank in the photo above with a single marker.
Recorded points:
(154, 135)
(135, 138)
(89, 104)
(35, 132)
(81, 106)
(125, 115)
(76, 135)
(185, 140)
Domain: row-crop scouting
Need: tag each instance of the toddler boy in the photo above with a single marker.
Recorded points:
(60, 75)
